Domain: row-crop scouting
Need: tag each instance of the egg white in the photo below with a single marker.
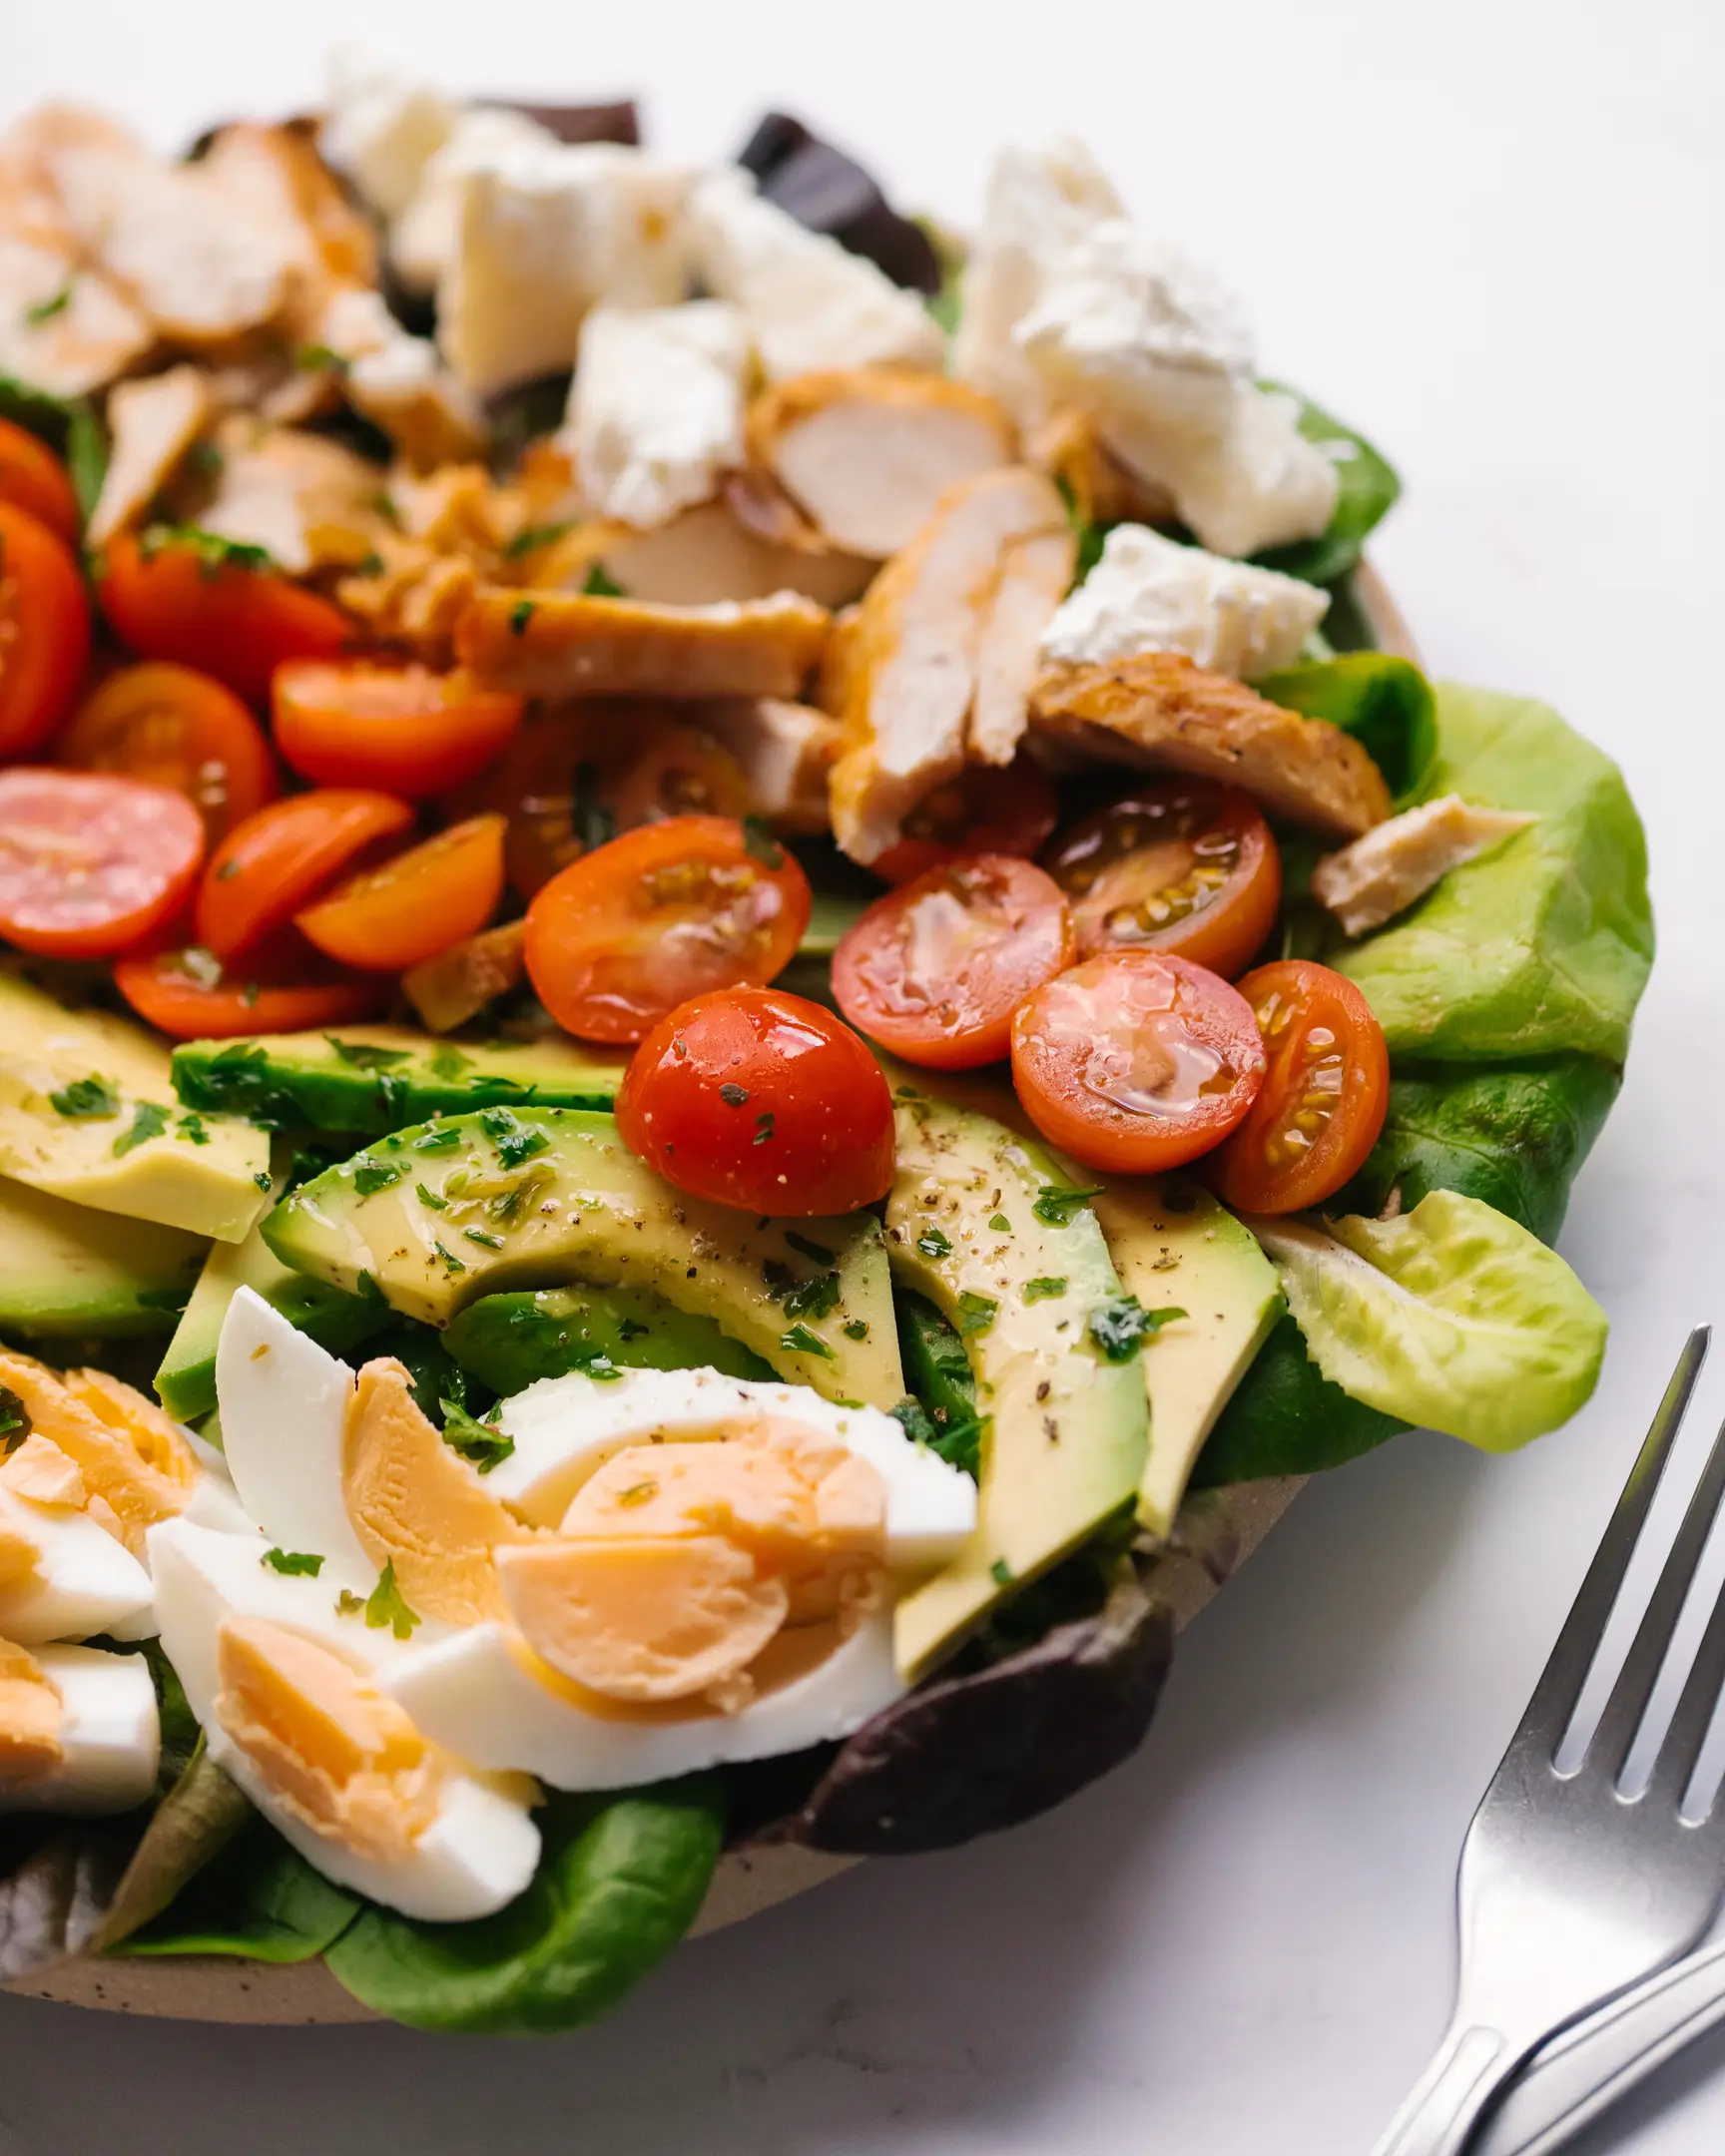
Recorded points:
(110, 1736)
(86, 1581)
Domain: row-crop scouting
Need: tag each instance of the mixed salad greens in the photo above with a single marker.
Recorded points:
(729, 970)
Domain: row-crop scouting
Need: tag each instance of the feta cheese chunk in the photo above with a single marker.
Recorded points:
(808, 302)
(656, 408)
(1380, 875)
(544, 233)
(1149, 594)
(381, 127)
(422, 239)
(1149, 341)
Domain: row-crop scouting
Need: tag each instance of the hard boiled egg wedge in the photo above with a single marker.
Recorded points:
(79, 1732)
(63, 1576)
(287, 1677)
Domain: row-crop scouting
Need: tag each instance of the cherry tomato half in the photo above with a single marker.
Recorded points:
(179, 728)
(637, 927)
(935, 970)
(1184, 866)
(414, 904)
(286, 989)
(987, 809)
(33, 478)
(402, 729)
(278, 861)
(760, 1100)
(1135, 1061)
(1324, 1098)
(90, 864)
(44, 631)
(174, 601)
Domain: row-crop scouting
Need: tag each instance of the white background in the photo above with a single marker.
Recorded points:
(1488, 233)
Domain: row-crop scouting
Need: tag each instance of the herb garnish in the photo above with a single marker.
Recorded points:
(90, 1099)
(1057, 1203)
(148, 1120)
(1122, 1324)
(387, 1607)
(481, 1442)
(293, 1563)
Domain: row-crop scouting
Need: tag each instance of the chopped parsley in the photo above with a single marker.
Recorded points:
(818, 1250)
(601, 586)
(1000, 1572)
(387, 1607)
(373, 1175)
(148, 1120)
(214, 553)
(447, 1062)
(293, 1564)
(44, 310)
(348, 1604)
(1057, 1203)
(764, 1126)
(481, 1442)
(365, 1057)
(430, 1198)
(813, 1298)
(520, 615)
(190, 1128)
(976, 1313)
(914, 1419)
(320, 360)
(514, 1141)
(1044, 1288)
(856, 1329)
(932, 1244)
(759, 845)
(1000, 1223)
(1122, 1324)
(534, 537)
(206, 460)
(733, 1095)
(262, 1178)
(14, 1419)
(450, 1259)
(436, 1140)
(800, 1341)
(87, 1100)
(484, 1237)
(367, 1288)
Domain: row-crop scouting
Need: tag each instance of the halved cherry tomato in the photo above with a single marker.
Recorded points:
(287, 988)
(191, 604)
(180, 728)
(637, 927)
(665, 768)
(1135, 1061)
(935, 970)
(33, 478)
(278, 861)
(403, 729)
(987, 809)
(44, 631)
(1182, 866)
(90, 864)
(414, 904)
(760, 1100)
(1324, 1098)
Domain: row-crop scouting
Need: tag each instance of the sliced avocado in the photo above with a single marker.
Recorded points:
(88, 1112)
(67, 1271)
(1066, 1430)
(185, 1381)
(510, 1340)
(365, 1080)
(434, 1218)
(1174, 1246)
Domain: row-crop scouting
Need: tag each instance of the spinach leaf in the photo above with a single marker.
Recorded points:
(1386, 702)
(936, 1369)
(1369, 489)
(69, 426)
(1286, 1419)
(257, 1897)
(618, 1884)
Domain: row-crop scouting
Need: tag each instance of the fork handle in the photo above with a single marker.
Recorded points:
(1448, 2101)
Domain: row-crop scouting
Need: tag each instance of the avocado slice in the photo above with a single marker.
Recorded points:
(511, 1340)
(366, 1080)
(432, 1219)
(65, 1270)
(1066, 1434)
(88, 1113)
(1174, 1245)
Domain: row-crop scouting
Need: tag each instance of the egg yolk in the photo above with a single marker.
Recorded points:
(419, 1505)
(43, 1474)
(136, 1467)
(676, 1564)
(30, 1715)
(338, 1753)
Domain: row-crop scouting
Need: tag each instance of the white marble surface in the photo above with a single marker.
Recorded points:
(1491, 234)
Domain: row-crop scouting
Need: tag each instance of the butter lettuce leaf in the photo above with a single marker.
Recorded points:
(1285, 1418)
(1451, 1316)
(1543, 945)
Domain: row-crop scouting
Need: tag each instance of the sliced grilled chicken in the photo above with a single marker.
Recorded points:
(281, 489)
(152, 424)
(1068, 446)
(63, 327)
(1382, 875)
(940, 662)
(1161, 710)
(275, 177)
(459, 983)
(785, 751)
(564, 644)
(867, 453)
(707, 555)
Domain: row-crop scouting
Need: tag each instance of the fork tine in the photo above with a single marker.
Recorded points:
(1612, 1738)
(1559, 1687)
(1681, 1748)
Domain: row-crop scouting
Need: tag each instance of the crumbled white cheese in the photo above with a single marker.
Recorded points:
(1148, 594)
(1146, 339)
(1037, 206)
(808, 302)
(543, 233)
(422, 239)
(1380, 874)
(656, 408)
(381, 126)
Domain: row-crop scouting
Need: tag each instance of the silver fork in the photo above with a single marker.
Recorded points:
(1568, 1891)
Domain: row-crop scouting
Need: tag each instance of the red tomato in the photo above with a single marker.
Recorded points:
(1135, 1061)
(402, 729)
(88, 865)
(935, 970)
(1182, 866)
(287, 988)
(33, 479)
(273, 864)
(44, 631)
(176, 728)
(1324, 1098)
(416, 903)
(987, 809)
(187, 603)
(758, 1100)
(637, 927)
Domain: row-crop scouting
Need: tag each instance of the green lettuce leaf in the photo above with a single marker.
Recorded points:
(1386, 702)
(1543, 945)
(69, 426)
(197, 1818)
(1451, 1316)
(1369, 489)
(618, 1884)
(255, 1897)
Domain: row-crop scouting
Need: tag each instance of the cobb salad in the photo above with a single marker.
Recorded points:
(730, 972)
